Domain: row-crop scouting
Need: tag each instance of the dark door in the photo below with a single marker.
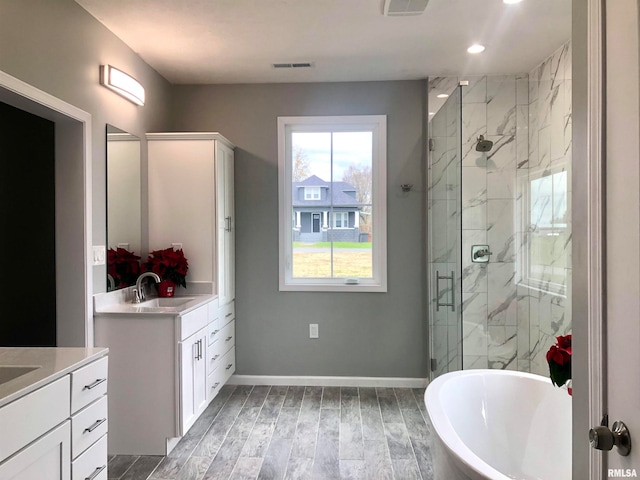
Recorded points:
(27, 222)
(316, 222)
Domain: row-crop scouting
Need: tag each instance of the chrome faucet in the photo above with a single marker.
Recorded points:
(138, 292)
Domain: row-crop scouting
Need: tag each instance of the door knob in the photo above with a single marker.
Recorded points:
(601, 438)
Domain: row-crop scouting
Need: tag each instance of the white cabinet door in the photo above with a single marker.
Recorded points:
(193, 379)
(226, 223)
(48, 457)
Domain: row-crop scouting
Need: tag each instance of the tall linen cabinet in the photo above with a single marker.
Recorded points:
(191, 205)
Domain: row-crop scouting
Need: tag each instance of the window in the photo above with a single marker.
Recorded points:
(341, 220)
(312, 193)
(332, 192)
(545, 222)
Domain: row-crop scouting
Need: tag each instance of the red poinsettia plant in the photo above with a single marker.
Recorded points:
(123, 266)
(559, 360)
(169, 264)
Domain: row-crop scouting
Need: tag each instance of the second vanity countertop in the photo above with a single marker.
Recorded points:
(51, 363)
(120, 303)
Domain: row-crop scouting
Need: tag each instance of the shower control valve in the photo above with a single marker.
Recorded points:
(480, 253)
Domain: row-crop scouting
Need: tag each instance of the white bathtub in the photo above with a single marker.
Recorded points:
(498, 425)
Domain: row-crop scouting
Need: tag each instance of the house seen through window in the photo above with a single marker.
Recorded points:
(332, 203)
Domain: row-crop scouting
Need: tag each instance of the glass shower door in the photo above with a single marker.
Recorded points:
(444, 236)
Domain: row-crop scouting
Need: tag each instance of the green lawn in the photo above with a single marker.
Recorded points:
(335, 245)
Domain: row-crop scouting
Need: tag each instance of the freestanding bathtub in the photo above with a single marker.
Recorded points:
(498, 425)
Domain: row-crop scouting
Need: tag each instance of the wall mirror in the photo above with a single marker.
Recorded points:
(124, 225)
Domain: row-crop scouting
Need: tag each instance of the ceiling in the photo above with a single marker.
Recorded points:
(237, 41)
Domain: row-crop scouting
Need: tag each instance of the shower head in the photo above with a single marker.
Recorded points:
(483, 145)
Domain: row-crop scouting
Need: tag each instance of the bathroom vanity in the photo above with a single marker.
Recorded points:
(53, 413)
(169, 359)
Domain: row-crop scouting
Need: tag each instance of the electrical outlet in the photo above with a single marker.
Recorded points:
(177, 246)
(313, 330)
(99, 254)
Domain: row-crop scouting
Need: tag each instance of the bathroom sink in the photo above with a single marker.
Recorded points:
(171, 302)
(10, 373)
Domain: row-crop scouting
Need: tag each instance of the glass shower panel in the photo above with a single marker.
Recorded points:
(444, 237)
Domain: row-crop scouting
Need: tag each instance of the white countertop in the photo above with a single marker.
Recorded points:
(53, 363)
(128, 307)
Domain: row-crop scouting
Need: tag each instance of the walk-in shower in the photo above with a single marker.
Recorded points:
(499, 226)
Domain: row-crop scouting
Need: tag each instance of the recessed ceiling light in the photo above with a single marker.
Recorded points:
(476, 48)
(432, 113)
(442, 95)
(510, 2)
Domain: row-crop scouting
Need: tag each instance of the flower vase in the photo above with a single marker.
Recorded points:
(569, 385)
(166, 288)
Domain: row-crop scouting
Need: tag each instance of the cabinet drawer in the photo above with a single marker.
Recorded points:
(193, 321)
(212, 331)
(33, 415)
(92, 464)
(227, 313)
(228, 364)
(88, 425)
(214, 355)
(215, 381)
(88, 384)
(228, 336)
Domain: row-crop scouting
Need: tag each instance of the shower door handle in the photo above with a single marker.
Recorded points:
(451, 278)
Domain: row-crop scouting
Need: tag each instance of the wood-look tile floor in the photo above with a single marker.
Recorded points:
(262, 432)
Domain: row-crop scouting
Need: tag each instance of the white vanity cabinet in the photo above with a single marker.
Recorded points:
(58, 431)
(159, 365)
(226, 224)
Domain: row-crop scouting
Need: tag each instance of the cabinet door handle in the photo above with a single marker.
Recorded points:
(228, 338)
(228, 223)
(228, 315)
(94, 426)
(94, 384)
(200, 349)
(229, 366)
(95, 473)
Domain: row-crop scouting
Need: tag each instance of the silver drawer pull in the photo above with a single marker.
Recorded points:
(228, 314)
(215, 385)
(216, 357)
(94, 426)
(228, 338)
(214, 332)
(95, 384)
(95, 473)
(229, 366)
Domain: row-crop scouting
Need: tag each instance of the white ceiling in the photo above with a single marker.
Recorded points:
(237, 41)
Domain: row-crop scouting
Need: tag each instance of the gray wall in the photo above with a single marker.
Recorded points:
(361, 334)
(57, 47)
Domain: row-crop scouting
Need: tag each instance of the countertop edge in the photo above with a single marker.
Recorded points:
(41, 382)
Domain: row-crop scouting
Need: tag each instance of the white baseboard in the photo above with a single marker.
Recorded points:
(389, 382)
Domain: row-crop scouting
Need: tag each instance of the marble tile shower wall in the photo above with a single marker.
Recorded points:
(508, 321)
(549, 147)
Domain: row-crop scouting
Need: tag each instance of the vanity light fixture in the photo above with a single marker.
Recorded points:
(122, 83)
(476, 48)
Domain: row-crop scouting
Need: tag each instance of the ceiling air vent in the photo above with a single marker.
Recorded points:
(400, 8)
(293, 65)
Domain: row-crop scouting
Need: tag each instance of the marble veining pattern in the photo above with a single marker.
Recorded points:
(509, 322)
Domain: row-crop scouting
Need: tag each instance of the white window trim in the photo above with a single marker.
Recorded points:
(343, 215)
(312, 193)
(523, 267)
(378, 125)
